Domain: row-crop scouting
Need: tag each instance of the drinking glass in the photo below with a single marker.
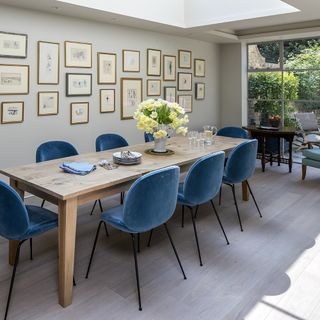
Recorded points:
(208, 132)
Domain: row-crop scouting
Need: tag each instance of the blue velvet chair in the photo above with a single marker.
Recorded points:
(148, 137)
(201, 185)
(239, 168)
(233, 132)
(21, 223)
(150, 202)
(105, 142)
(52, 150)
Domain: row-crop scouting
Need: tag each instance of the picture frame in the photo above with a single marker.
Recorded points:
(153, 62)
(14, 79)
(184, 81)
(79, 113)
(13, 45)
(169, 68)
(185, 101)
(153, 87)
(12, 112)
(170, 94)
(77, 54)
(199, 68)
(107, 68)
(131, 96)
(185, 58)
(199, 91)
(107, 100)
(130, 60)
(78, 84)
(48, 103)
(48, 62)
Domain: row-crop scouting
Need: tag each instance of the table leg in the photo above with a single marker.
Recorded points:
(13, 244)
(245, 191)
(67, 239)
(263, 157)
(279, 151)
(290, 155)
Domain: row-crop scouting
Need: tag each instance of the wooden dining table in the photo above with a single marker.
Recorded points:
(68, 191)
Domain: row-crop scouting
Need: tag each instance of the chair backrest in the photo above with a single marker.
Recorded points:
(307, 120)
(148, 137)
(241, 162)
(152, 199)
(52, 150)
(110, 141)
(203, 180)
(233, 132)
(14, 219)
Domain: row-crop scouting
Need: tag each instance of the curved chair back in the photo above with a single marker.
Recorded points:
(204, 178)
(152, 199)
(52, 150)
(233, 132)
(148, 137)
(110, 141)
(241, 162)
(14, 219)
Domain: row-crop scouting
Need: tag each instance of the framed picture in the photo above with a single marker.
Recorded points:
(14, 79)
(169, 68)
(12, 112)
(48, 62)
(78, 84)
(77, 54)
(200, 91)
(131, 96)
(184, 81)
(13, 45)
(107, 100)
(185, 101)
(170, 94)
(48, 103)
(107, 68)
(199, 67)
(79, 112)
(130, 61)
(185, 57)
(153, 62)
(153, 87)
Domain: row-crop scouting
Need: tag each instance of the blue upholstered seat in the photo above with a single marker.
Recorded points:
(201, 185)
(148, 137)
(233, 132)
(109, 141)
(239, 168)
(150, 202)
(21, 223)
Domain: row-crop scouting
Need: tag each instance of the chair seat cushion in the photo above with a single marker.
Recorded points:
(313, 154)
(41, 220)
(311, 163)
(114, 217)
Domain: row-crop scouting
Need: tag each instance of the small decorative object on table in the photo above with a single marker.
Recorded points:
(209, 132)
(159, 118)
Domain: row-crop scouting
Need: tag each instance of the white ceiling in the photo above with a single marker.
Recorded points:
(209, 20)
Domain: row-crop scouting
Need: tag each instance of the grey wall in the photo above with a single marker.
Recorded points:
(18, 142)
(230, 85)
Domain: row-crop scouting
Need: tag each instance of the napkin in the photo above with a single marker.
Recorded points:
(81, 168)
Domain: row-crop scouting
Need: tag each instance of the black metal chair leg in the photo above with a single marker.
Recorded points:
(100, 205)
(16, 261)
(220, 194)
(182, 217)
(218, 218)
(195, 233)
(150, 236)
(94, 205)
(93, 249)
(121, 197)
(31, 251)
(236, 204)
(175, 251)
(43, 202)
(74, 282)
(138, 243)
(106, 229)
(136, 268)
(255, 202)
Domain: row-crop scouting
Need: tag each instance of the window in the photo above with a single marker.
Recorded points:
(283, 78)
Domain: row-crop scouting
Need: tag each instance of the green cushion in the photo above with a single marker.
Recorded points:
(313, 154)
(311, 163)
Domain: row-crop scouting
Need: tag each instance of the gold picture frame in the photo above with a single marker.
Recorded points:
(77, 54)
(130, 60)
(170, 94)
(107, 100)
(199, 68)
(153, 62)
(186, 102)
(77, 117)
(48, 103)
(14, 79)
(184, 81)
(12, 112)
(154, 87)
(169, 67)
(200, 91)
(185, 58)
(13, 45)
(107, 68)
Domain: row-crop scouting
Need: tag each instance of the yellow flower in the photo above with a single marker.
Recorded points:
(182, 130)
(154, 115)
(160, 134)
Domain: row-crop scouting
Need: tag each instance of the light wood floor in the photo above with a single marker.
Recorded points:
(270, 271)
